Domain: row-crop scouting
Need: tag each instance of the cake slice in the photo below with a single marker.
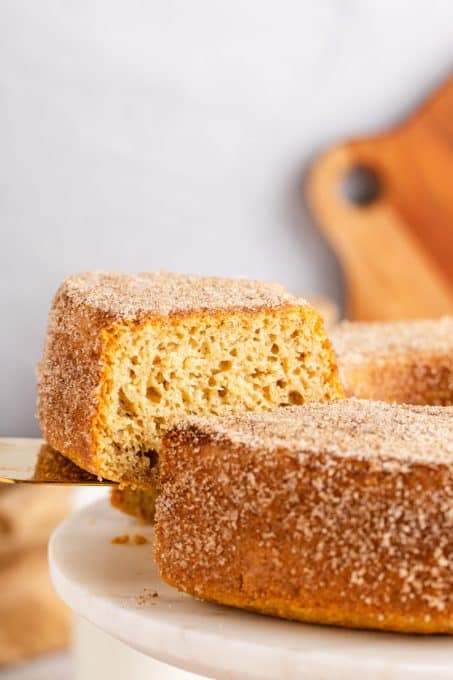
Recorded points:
(337, 513)
(140, 503)
(126, 356)
(403, 361)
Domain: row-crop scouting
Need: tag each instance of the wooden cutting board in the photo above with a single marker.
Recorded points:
(385, 204)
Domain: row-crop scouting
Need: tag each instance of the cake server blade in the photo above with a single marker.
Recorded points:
(35, 462)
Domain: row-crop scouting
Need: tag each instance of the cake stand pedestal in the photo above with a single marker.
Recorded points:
(117, 588)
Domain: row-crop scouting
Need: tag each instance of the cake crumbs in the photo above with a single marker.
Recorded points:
(139, 539)
(120, 540)
(147, 597)
(135, 539)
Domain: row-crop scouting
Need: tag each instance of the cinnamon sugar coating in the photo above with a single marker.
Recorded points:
(403, 361)
(351, 427)
(130, 297)
(336, 513)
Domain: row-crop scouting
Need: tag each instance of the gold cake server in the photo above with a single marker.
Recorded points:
(34, 462)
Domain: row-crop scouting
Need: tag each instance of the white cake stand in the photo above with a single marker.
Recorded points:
(112, 587)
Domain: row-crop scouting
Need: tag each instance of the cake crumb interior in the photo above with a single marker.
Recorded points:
(160, 371)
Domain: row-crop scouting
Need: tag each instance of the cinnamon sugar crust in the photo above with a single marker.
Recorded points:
(132, 297)
(336, 513)
(127, 355)
(402, 361)
(351, 427)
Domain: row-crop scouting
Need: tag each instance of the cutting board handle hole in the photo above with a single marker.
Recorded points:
(361, 186)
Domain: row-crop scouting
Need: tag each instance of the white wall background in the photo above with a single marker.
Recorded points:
(170, 134)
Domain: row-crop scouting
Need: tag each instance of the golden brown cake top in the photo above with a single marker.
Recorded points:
(132, 296)
(355, 341)
(386, 433)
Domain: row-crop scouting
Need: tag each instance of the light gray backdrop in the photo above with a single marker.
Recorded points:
(173, 135)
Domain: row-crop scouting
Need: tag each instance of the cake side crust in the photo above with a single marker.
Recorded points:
(69, 376)
(345, 540)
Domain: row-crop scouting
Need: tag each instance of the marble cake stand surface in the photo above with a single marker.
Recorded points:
(117, 588)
